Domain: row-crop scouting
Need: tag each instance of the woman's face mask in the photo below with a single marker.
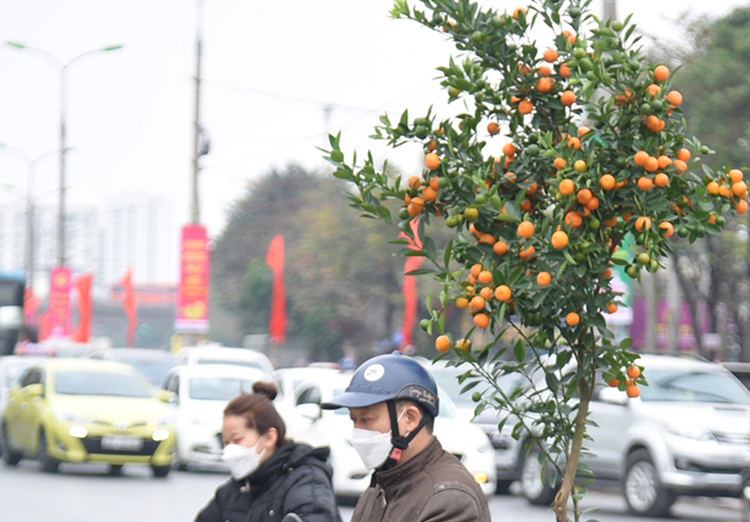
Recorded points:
(242, 461)
(373, 447)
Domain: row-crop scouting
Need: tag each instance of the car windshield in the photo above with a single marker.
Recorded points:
(13, 371)
(696, 386)
(93, 383)
(233, 362)
(155, 370)
(218, 388)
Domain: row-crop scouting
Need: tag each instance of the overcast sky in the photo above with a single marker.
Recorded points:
(270, 68)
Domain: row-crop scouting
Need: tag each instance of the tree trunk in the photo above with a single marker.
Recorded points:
(692, 296)
(674, 303)
(562, 497)
(651, 290)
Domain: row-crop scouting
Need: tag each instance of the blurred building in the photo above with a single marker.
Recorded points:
(81, 236)
(137, 230)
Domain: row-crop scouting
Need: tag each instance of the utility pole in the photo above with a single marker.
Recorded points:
(327, 109)
(610, 9)
(197, 152)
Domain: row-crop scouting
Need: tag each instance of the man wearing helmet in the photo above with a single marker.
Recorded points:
(393, 402)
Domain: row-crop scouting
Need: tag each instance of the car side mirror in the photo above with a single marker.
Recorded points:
(166, 396)
(613, 396)
(34, 390)
(310, 411)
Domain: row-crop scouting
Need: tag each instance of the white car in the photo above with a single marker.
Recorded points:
(334, 428)
(200, 395)
(215, 354)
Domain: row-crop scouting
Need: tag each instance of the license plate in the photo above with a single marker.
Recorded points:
(122, 443)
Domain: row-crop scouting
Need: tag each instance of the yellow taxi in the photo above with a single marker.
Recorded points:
(87, 410)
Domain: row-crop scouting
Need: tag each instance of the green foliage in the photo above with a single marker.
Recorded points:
(522, 198)
(717, 88)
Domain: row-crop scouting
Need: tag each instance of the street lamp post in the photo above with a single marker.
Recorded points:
(29, 162)
(63, 70)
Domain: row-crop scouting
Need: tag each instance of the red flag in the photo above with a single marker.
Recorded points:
(409, 288)
(83, 331)
(43, 328)
(30, 307)
(275, 260)
(130, 307)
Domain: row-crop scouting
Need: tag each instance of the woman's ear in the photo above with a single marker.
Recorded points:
(271, 438)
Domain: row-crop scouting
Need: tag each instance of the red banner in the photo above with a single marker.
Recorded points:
(83, 331)
(195, 271)
(59, 304)
(275, 261)
(409, 288)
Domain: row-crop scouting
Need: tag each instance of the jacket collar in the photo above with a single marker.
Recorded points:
(390, 478)
(273, 466)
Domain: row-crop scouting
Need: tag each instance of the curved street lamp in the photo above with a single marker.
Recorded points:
(63, 70)
(29, 162)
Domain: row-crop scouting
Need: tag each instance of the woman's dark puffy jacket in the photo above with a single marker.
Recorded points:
(296, 479)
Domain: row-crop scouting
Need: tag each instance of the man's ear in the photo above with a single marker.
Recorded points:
(413, 417)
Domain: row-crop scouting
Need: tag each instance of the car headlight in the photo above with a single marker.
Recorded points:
(71, 417)
(78, 432)
(690, 431)
(160, 434)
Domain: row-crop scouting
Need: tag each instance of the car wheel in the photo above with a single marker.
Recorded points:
(115, 470)
(642, 488)
(10, 457)
(49, 464)
(535, 488)
(161, 471)
(503, 487)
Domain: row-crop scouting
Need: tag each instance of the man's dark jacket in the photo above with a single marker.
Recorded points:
(433, 486)
(296, 479)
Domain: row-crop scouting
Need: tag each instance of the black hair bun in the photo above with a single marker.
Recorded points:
(268, 389)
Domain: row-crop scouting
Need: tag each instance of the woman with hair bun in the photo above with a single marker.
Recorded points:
(271, 476)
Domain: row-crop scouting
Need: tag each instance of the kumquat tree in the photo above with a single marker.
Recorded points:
(595, 151)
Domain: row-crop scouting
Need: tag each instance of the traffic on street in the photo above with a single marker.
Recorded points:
(87, 493)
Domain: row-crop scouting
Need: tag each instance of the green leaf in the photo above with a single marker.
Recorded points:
(447, 253)
(419, 271)
(569, 258)
(519, 350)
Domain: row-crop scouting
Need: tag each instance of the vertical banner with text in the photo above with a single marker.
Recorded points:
(59, 304)
(195, 271)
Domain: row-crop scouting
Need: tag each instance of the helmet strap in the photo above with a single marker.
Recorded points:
(400, 442)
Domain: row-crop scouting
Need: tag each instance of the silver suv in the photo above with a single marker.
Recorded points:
(688, 434)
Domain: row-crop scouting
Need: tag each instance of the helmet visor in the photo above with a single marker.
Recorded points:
(352, 399)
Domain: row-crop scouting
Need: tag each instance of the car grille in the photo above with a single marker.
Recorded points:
(731, 438)
(94, 445)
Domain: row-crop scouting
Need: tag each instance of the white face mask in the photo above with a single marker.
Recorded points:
(373, 447)
(242, 461)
